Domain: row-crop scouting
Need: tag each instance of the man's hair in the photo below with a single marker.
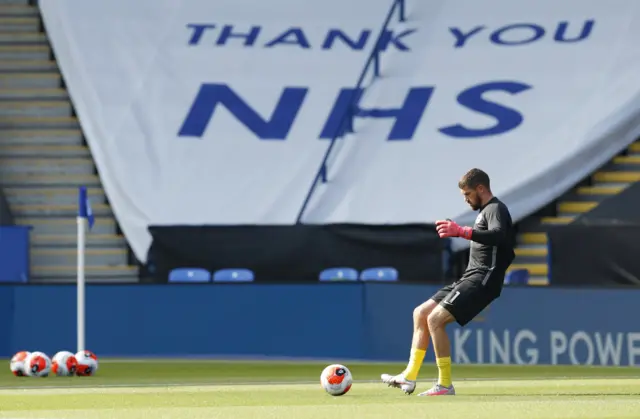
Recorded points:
(474, 178)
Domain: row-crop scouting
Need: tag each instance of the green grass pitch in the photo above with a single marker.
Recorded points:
(198, 389)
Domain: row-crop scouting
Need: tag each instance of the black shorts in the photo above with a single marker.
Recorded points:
(466, 298)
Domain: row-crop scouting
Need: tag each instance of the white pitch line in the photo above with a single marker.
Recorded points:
(243, 360)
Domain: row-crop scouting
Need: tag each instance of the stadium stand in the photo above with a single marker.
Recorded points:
(43, 157)
(159, 164)
(613, 178)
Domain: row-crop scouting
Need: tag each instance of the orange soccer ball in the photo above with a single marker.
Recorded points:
(64, 364)
(17, 363)
(336, 379)
(87, 363)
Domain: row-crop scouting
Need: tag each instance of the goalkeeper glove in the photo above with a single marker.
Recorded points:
(449, 228)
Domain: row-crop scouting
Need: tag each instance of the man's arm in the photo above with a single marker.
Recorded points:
(497, 227)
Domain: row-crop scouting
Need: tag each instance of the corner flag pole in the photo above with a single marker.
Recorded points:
(85, 216)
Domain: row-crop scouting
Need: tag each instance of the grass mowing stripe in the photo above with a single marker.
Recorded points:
(529, 399)
(195, 373)
(283, 383)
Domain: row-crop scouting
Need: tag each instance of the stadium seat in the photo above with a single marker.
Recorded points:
(517, 277)
(190, 275)
(339, 274)
(233, 275)
(379, 274)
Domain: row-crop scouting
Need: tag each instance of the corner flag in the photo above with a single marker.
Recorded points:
(84, 213)
(84, 206)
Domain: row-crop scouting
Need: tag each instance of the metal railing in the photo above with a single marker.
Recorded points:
(346, 122)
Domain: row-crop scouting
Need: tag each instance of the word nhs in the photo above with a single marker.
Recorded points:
(406, 117)
(252, 36)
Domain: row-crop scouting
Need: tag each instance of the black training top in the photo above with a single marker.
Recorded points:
(492, 243)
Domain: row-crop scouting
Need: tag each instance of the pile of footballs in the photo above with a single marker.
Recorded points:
(63, 364)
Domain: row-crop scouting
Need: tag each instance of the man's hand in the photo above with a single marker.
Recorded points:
(448, 228)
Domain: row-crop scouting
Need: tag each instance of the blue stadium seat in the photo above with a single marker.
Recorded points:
(379, 274)
(233, 275)
(517, 277)
(189, 275)
(339, 274)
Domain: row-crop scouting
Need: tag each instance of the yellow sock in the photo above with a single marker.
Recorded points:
(415, 362)
(444, 369)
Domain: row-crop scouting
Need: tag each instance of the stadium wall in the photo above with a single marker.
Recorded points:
(328, 321)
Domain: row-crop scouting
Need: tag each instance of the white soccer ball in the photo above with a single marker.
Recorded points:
(17, 363)
(37, 364)
(64, 364)
(87, 363)
(336, 379)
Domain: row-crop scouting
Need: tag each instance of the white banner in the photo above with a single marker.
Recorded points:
(536, 93)
(201, 112)
(208, 112)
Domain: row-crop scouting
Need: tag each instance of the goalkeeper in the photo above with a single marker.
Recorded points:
(492, 241)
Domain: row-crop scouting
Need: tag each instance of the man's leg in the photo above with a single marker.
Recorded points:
(420, 341)
(462, 304)
(437, 321)
(406, 380)
(419, 344)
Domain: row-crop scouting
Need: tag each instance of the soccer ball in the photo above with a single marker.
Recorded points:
(336, 379)
(64, 364)
(37, 364)
(17, 363)
(87, 363)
